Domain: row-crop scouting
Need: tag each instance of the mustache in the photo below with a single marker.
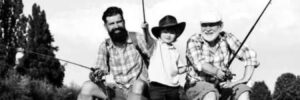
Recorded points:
(209, 31)
(118, 29)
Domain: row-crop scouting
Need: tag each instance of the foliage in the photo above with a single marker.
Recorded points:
(17, 87)
(39, 61)
(11, 89)
(294, 90)
(41, 76)
(12, 32)
(282, 86)
(260, 91)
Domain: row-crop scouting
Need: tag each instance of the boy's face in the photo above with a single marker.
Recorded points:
(210, 31)
(167, 36)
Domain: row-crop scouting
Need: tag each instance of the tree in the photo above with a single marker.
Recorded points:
(282, 86)
(294, 90)
(39, 61)
(260, 91)
(12, 32)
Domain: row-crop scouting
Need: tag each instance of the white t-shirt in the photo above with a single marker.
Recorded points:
(164, 63)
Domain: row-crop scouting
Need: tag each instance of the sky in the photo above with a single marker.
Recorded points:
(78, 30)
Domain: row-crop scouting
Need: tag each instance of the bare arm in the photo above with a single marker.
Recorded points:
(247, 55)
(196, 58)
(212, 70)
(101, 67)
(247, 74)
(149, 40)
(182, 69)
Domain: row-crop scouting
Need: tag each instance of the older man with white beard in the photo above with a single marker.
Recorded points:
(209, 52)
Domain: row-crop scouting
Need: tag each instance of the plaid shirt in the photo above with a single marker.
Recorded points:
(125, 64)
(199, 52)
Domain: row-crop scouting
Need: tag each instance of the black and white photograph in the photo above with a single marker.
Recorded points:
(149, 49)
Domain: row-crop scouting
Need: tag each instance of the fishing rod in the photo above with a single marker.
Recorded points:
(145, 28)
(80, 65)
(67, 61)
(144, 16)
(235, 54)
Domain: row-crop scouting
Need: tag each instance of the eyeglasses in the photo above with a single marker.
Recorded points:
(211, 24)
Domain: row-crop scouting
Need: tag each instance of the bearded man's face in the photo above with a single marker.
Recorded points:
(115, 26)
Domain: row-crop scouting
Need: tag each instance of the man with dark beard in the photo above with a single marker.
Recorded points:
(120, 71)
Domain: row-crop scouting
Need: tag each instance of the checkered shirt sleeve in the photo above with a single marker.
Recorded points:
(198, 52)
(101, 67)
(147, 48)
(124, 63)
(246, 54)
(194, 51)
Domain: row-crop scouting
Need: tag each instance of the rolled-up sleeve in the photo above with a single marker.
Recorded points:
(247, 55)
(101, 62)
(101, 67)
(194, 53)
(146, 47)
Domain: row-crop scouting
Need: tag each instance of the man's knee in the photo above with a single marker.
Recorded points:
(242, 92)
(210, 96)
(84, 97)
(90, 89)
(244, 96)
(138, 86)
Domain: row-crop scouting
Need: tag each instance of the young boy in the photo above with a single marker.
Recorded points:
(165, 66)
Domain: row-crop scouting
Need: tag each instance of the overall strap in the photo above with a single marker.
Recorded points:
(107, 54)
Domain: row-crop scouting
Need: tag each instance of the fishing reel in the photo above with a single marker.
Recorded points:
(213, 79)
(228, 75)
(97, 75)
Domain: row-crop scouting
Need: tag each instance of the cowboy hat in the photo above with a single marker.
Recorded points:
(168, 22)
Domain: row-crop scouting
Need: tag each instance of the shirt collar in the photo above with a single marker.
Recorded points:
(170, 46)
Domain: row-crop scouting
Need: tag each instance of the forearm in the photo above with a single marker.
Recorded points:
(147, 35)
(149, 40)
(247, 74)
(182, 69)
(209, 69)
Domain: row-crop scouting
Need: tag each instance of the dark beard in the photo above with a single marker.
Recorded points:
(120, 37)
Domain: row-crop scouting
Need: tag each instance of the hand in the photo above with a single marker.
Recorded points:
(220, 74)
(198, 67)
(192, 80)
(109, 79)
(228, 84)
(96, 75)
(145, 25)
(192, 76)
